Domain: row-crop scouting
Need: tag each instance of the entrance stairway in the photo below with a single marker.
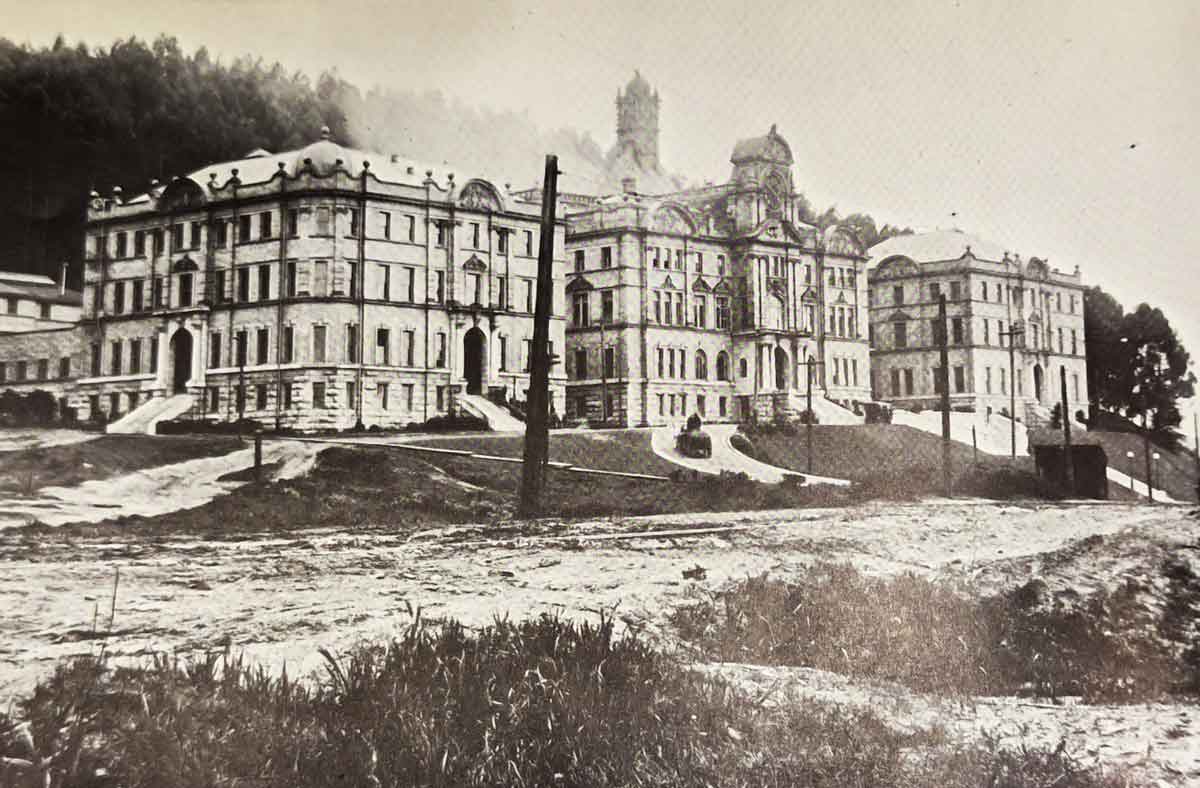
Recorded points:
(498, 419)
(828, 412)
(146, 416)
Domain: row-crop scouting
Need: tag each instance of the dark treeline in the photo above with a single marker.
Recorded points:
(80, 118)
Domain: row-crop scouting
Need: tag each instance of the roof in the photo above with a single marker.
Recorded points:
(936, 246)
(36, 288)
(770, 146)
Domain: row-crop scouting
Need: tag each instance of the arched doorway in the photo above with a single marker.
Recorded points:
(473, 346)
(181, 359)
(1037, 382)
(781, 369)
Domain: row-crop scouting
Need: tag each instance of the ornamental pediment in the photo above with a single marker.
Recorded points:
(897, 317)
(579, 284)
(473, 263)
(700, 286)
(809, 294)
(721, 287)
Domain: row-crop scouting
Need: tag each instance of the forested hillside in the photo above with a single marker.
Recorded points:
(81, 118)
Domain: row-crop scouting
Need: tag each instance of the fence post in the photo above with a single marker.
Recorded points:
(258, 456)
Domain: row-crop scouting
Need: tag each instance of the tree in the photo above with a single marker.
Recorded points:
(1107, 357)
(1157, 374)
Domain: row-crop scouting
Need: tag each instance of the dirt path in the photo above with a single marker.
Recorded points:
(18, 439)
(726, 458)
(151, 491)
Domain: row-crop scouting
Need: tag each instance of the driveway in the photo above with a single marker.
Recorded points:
(726, 458)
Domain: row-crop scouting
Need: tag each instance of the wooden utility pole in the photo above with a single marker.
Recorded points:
(1069, 459)
(537, 433)
(1196, 451)
(1146, 452)
(944, 359)
(1012, 333)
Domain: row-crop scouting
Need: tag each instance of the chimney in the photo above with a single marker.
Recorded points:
(629, 184)
(62, 279)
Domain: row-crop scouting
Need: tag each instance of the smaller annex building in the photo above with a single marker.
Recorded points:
(40, 337)
(994, 301)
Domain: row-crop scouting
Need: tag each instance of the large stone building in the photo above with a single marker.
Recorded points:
(709, 300)
(989, 293)
(317, 288)
(40, 336)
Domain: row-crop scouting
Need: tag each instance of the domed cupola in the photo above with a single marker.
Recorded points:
(322, 157)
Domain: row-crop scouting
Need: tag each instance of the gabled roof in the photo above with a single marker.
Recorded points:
(936, 246)
(36, 288)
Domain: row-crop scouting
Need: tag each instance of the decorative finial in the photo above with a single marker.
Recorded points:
(234, 171)
(326, 133)
(772, 129)
(282, 166)
(366, 165)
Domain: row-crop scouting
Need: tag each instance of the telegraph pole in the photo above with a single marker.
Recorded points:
(1012, 333)
(537, 435)
(944, 359)
(1066, 428)
(603, 375)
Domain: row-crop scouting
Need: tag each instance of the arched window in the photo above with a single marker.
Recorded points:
(743, 368)
(701, 365)
(722, 366)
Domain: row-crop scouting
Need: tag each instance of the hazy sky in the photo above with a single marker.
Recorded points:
(1065, 130)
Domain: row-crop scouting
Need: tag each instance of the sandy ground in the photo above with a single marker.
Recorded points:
(151, 491)
(279, 599)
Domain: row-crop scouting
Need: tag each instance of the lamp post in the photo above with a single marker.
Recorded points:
(810, 363)
(1013, 333)
(1129, 458)
(1150, 483)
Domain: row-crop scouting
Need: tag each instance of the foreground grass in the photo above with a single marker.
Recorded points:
(539, 703)
(932, 638)
(618, 450)
(25, 471)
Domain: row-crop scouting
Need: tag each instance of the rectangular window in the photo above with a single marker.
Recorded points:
(581, 370)
(382, 389)
(1003, 380)
(658, 317)
(411, 284)
(139, 243)
(606, 257)
(324, 220)
(441, 350)
(960, 380)
(118, 299)
(385, 282)
(96, 364)
(289, 338)
(410, 348)
(291, 279)
(956, 328)
(955, 291)
(350, 394)
(408, 396)
(214, 350)
(22, 370)
(895, 383)
(264, 281)
(355, 218)
(263, 341)
(385, 219)
(122, 244)
(441, 397)
(412, 232)
(293, 223)
(440, 287)
(43, 368)
(241, 351)
(503, 340)
(1074, 343)
(383, 344)
(987, 380)
(662, 366)
(502, 292)
(529, 295)
(115, 357)
(286, 390)
(900, 335)
(606, 306)
(138, 288)
(260, 397)
(352, 343)
(222, 233)
(153, 354)
(243, 284)
(722, 312)
(243, 233)
(610, 362)
(1060, 340)
(908, 382)
(581, 313)
(185, 289)
(318, 395)
(318, 340)
(474, 235)
(529, 243)
(135, 356)
(935, 290)
(441, 234)
(579, 261)
(501, 241)
(320, 278)
(219, 288)
(898, 295)
(987, 339)
(195, 235)
(64, 367)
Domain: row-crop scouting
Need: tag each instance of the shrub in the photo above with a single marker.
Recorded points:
(742, 443)
(877, 413)
(34, 409)
(449, 423)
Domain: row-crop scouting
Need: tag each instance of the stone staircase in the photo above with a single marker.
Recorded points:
(146, 416)
(497, 417)
(1037, 416)
(828, 411)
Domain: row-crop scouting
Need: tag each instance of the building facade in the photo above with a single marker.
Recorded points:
(710, 301)
(318, 288)
(40, 337)
(989, 293)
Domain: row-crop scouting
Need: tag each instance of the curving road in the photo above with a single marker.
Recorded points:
(726, 458)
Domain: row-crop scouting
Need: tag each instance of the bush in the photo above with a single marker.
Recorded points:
(877, 413)
(34, 409)
(207, 427)
(449, 423)
(742, 443)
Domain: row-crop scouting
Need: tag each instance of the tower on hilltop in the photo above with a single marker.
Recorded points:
(637, 122)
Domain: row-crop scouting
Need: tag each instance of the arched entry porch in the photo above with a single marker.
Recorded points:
(1037, 381)
(181, 360)
(781, 369)
(474, 352)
